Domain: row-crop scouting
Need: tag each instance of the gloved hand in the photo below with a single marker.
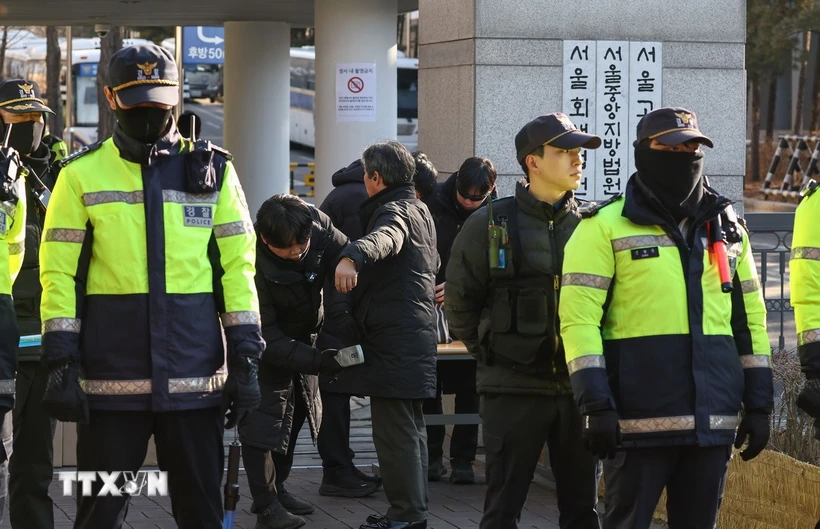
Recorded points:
(755, 426)
(64, 398)
(241, 392)
(329, 365)
(809, 398)
(601, 433)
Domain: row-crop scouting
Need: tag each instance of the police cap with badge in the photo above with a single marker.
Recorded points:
(144, 73)
(18, 96)
(671, 126)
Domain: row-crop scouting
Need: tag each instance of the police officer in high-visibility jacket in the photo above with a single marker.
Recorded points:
(804, 279)
(148, 242)
(13, 216)
(664, 326)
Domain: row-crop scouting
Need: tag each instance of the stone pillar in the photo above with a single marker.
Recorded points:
(489, 66)
(257, 106)
(353, 31)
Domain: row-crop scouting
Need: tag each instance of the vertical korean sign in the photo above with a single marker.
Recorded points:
(607, 87)
(645, 86)
(612, 118)
(579, 102)
(355, 92)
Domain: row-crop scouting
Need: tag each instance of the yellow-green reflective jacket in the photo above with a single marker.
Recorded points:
(804, 278)
(12, 251)
(648, 331)
(13, 235)
(136, 272)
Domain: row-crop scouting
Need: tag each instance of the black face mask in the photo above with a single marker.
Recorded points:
(26, 136)
(675, 178)
(144, 124)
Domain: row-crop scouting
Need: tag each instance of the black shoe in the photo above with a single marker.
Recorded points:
(276, 517)
(463, 473)
(436, 470)
(294, 505)
(347, 486)
(367, 477)
(385, 523)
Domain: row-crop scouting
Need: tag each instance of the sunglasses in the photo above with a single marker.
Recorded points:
(475, 198)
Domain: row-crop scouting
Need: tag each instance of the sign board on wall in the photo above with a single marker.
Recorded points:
(608, 87)
(355, 92)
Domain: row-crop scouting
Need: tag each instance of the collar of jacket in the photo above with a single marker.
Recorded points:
(389, 194)
(539, 209)
(643, 208)
(143, 153)
(38, 160)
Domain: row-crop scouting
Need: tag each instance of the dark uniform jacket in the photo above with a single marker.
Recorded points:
(513, 331)
(290, 300)
(394, 298)
(27, 289)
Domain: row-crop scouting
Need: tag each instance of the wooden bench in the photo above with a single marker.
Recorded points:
(452, 352)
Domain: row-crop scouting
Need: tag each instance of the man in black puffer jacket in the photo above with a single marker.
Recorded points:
(297, 247)
(392, 272)
(452, 204)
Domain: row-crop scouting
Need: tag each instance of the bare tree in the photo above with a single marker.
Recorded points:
(109, 45)
(53, 70)
(754, 82)
(815, 104)
(771, 108)
(801, 83)
(3, 44)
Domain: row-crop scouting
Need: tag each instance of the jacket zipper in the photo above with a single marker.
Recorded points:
(556, 286)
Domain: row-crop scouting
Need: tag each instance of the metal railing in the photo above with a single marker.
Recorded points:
(797, 148)
(771, 245)
(309, 179)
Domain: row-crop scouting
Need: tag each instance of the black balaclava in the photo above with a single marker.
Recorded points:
(675, 178)
(144, 124)
(25, 137)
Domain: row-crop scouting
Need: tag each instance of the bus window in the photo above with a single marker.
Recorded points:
(407, 95)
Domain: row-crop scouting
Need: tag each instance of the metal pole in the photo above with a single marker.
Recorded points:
(181, 69)
(69, 91)
(406, 35)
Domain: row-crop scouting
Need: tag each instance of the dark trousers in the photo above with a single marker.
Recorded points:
(266, 470)
(464, 443)
(189, 448)
(334, 435)
(515, 430)
(693, 476)
(7, 446)
(31, 467)
(401, 446)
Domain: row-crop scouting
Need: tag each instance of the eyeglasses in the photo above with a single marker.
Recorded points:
(475, 198)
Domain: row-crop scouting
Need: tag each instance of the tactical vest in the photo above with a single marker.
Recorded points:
(524, 323)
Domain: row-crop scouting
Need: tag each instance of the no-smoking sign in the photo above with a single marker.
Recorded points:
(355, 85)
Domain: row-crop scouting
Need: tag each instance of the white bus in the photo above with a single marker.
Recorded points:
(303, 92)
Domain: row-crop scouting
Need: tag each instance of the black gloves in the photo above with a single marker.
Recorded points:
(809, 398)
(64, 398)
(241, 392)
(755, 426)
(601, 433)
(329, 366)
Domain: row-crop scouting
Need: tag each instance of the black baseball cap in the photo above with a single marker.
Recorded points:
(555, 130)
(145, 73)
(19, 96)
(671, 126)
